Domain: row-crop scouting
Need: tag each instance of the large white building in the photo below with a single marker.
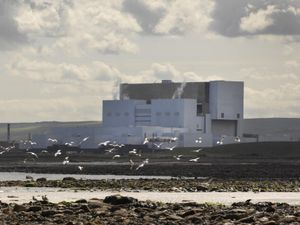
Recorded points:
(191, 113)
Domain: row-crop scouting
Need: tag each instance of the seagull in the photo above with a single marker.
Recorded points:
(131, 164)
(157, 145)
(199, 140)
(66, 161)
(2, 152)
(237, 139)
(133, 151)
(220, 142)
(44, 151)
(194, 160)
(57, 153)
(145, 141)
(33, 154)
(83, 140)
(80, 168)
(69, 143)
(173, 139)
(116, 156)
(53, 140)
(171, 148)
(198, 150)
(110, 150)
(105, 143)
(146, 161)
(177, 157)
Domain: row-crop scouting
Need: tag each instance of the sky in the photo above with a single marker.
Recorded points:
(60, 58)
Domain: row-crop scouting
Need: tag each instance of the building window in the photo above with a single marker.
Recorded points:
(222, 115)
(176, 113)
(148, 102)
(126, 114)
(167, 113)
(199, 109)
(238, 115)
(118, 114)
(108, 114)
(158, 113)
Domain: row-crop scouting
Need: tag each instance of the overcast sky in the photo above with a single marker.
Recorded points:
(60, 58)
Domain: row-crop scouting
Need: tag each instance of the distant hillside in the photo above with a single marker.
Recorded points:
(284, 128)
(22, 130)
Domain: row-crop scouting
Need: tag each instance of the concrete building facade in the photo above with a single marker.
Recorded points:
(187, 112)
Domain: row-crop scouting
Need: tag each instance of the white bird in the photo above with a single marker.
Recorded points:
(33, 154)
(146, 161)
(57, 153)
(220, 142)
(110, 150)
(80, 168)
(194, 160)
(237, 139)
(105, 143)
(171, 148)
(44, 151)
(157, 145)
(2, 152)
(53, 140)
(198, 150)
(199, 140)
(116, 156)
(173, 139)
(83, 140)
(133, 151)
(131, 164)
(71, 143)
(177, 157)
(66, 161)
(146, 140)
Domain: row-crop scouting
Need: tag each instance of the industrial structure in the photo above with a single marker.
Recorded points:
(189, 113)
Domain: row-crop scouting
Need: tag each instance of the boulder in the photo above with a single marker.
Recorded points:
(119, 200)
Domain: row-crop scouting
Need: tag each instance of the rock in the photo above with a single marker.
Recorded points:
(69, 179)
(41, 180)
(271, 222)
(81, 201)
(289, 219)
(119, 200)
(19, 208)
(85, 208)
(95, 204)
(174, 217)
(34, 208)
(188, 213)
(48, 213)
(249, 219)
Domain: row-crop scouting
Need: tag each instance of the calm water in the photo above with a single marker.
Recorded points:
(7, 176)
(22, 194)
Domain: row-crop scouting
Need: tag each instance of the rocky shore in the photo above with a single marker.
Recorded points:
(126, 210)
(165, 185)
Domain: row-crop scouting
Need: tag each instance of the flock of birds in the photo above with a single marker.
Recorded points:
(110, 148)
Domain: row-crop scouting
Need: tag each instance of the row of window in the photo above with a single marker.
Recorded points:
(237, 115)
(157, 114)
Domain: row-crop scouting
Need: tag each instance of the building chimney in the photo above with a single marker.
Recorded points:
(8, 133)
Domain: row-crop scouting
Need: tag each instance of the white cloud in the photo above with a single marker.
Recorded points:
(283, 101)
(257, 21)
(185, 16)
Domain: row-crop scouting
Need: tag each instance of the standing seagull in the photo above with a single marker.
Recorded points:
(194, 160)
(66, 161)
(177, 157)
(197, 150)
(131, 164)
